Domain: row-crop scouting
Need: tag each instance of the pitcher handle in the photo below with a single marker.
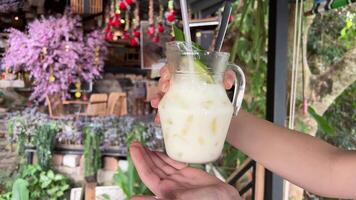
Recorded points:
(239, 90)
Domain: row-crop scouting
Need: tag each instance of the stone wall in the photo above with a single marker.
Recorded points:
(73, 167)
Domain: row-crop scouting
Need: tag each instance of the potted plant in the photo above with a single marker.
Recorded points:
(92, 151)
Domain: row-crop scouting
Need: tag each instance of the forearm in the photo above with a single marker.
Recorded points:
(300, 158)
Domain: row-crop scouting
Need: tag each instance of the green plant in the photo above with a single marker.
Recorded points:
(231, 158)
(7, 179)
(341, 116)
(92, 153)
(249, 50)
(43, 184)
(20, 125)
(6, 196)
(348, 33)
(44, 140)
(20, 190)
(34, 183)
(129, 181)
(323, 124)
(104, 197)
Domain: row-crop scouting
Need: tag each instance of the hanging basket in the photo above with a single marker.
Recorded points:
(86, 6)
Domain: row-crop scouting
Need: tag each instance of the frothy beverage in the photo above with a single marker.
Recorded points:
(196, 112)
(195, 118)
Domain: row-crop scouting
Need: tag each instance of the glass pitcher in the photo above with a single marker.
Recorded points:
(196, 112)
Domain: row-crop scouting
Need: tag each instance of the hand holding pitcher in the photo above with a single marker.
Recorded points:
(196, 112)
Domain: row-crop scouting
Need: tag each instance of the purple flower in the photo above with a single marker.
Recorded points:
(55, 46)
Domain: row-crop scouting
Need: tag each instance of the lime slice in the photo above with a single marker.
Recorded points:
(200, 68)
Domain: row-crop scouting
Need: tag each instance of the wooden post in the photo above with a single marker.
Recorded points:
(259, 182)
(90, 190)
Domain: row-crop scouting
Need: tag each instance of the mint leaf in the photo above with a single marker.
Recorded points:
(178, 34)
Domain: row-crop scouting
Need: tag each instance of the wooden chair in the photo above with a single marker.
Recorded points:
(55, 106)
(97, 105)
(117, 104)
(152, 92)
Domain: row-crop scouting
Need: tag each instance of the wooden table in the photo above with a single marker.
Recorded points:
(75, 102)
(80, 103)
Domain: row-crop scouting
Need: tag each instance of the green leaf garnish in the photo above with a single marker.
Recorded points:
(178, 34)
(199, 66)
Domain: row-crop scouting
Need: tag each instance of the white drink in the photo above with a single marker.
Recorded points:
(195, 118)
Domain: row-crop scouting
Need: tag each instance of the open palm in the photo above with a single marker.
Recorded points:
(169, 179)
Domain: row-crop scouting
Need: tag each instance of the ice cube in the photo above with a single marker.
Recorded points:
(213, 126)
(187, 125)
(201, 140)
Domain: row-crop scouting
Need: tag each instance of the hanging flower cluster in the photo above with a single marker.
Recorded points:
(125, 4)
(170, 15)
(152, 29)
(56, 54)
(120, 25)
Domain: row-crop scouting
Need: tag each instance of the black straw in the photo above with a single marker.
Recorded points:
(223, 25)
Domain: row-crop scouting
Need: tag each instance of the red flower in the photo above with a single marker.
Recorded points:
(133, 41)
(155, 39)
(109, 36)
(107, 29)
(160, 28)
(114, 21)
(130, 2)
(151, 30)
(126, 36)
(122, 5)
(171, 16)
(111, 21)
(136, 33)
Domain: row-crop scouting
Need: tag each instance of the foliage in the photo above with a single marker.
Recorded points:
(323, 124)
(329, 37)
(105, 197)
(249, 50)
(44, 140)
(70, 131)
(341, 116)
(136, 134)
(128, 180)
(19, 190)
(348, 33)
(7, 179)
(231, 159)
(20, 125)
(44, 184)
(6, 196)
(92, 152)
(34, 183)
(178, 34)
(248, 33)
(56, 54)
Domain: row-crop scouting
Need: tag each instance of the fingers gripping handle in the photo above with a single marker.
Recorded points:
(239, 90)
